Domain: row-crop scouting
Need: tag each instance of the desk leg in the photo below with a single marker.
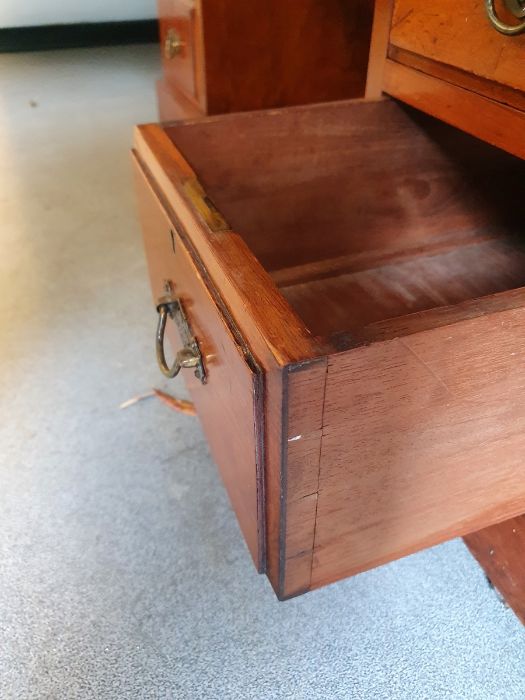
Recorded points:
(500, 550)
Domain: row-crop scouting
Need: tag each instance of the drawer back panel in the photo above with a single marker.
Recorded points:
(370, 173)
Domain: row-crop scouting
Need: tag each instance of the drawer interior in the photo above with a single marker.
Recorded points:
(364, 211)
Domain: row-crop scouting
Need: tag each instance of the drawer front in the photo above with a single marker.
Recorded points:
(180, 45)
(229, 403)
(460, 34)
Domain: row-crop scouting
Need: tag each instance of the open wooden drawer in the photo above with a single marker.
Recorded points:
(368, 259)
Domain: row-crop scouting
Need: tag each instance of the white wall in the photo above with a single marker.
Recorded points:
(29, 13)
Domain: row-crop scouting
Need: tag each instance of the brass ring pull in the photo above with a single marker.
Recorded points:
(187, 357)
(516, 7)
(173, 44)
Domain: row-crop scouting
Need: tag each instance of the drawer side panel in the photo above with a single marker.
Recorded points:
(423, 440)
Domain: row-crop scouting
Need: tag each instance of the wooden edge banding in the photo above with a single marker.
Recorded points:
(493, 122)
(303, 405)
(430, 319)
(283, 487)
(199, 55)
(356, 262)
(457, 76)
(274, 406)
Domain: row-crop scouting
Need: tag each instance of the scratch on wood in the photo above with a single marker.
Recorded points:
(427, 367)
(400, 20)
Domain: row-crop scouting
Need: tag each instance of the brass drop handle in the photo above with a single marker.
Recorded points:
(189, 356)
(173, 44)
(185, 357)
(516, 8)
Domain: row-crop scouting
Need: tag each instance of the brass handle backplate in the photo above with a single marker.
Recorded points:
(189, 356)
(516, 8)
(173, 44)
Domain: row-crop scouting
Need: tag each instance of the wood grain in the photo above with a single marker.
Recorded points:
(407, 286)
(365, 260)
(420, 442)
(274, 334)
(459, 35)
(447, 60)
(304, 388)
(282, 177)
(267, 321)
(493, 122)
(500, 550)
(229, 405)
(407, 436)
(174, 105)
(242, 56)
(469, 81)
(407, 243)
(184, 72)
(280, 52)
(433, 318)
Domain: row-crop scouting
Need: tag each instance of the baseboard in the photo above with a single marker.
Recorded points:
(70, 36)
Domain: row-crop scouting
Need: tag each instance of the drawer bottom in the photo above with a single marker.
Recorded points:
(389, 284)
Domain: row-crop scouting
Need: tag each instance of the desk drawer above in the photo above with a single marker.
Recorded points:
(449, 60)
(181, 47)
(460, 35)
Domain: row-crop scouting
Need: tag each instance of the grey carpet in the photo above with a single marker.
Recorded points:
(122, 570)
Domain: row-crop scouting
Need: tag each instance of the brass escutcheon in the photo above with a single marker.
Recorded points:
(173, 44)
